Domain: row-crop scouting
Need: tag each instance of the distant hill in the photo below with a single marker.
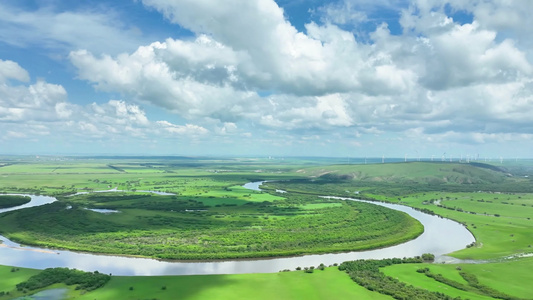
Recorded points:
(412, 172)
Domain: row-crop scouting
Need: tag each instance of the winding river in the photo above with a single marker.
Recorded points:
(440, 236)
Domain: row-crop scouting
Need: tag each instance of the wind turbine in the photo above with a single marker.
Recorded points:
(383, 159)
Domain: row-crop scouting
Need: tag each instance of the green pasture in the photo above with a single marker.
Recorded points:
(212, 216)
(187, 176)
(509, 233)
(500, 221)
(327, 284)
(510, 277)
(10, 276)
(503, 204)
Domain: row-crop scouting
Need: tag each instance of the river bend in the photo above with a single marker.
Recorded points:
(440, 236)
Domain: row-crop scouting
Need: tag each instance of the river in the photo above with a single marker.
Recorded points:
(440, 236)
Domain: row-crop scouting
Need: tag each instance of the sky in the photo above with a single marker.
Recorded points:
(341, 78)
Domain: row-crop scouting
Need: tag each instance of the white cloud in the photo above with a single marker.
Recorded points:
(98, 30)
(317, 112)
(11, 70)
(39, 101)
(438, 75)
(188, 129)
(438, 80)
(145, 77)
(267, 52)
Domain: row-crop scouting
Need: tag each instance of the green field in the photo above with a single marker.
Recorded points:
(217, 218)
(510, 277)
(327, 284)
(10, 276)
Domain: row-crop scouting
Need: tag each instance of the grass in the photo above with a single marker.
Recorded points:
(216, 184)
(327, 284)
(407, 274)
(510, 277)
(510, 233)
(500, 221)
(9, 279)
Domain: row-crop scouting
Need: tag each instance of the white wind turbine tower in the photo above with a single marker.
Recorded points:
(383, 159)
(443, 158)
(432, 156)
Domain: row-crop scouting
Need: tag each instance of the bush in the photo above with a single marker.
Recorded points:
(85, 280)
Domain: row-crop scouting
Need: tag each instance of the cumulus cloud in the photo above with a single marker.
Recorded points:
(439, 74)
(249, 72)
(146, 77)
(31, 110)
(11, 70)
(38, 101)
(254, 48)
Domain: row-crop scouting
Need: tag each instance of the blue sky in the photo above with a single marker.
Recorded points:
(355, 78)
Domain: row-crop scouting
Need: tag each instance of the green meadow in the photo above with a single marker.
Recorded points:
(327, 284)
(211, 216)
(11, 276)
(210, 209)
(511, 277)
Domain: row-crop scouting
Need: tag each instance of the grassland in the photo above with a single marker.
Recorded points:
(469, 194)
(327, 284)
(510, 277)
(210, 217)
(10, 276)
(493, 201)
